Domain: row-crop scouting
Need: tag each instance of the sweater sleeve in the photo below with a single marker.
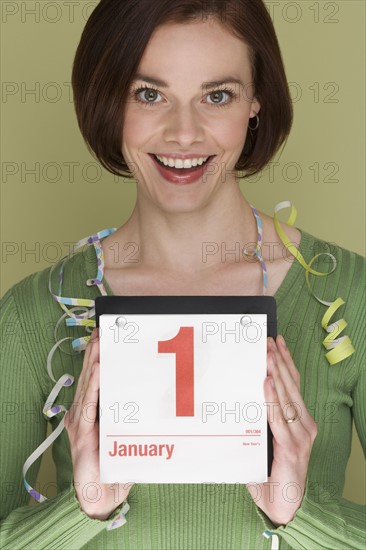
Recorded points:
(324, 520)
(55, 523)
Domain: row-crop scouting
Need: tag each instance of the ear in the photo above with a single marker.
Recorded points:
(255, 108)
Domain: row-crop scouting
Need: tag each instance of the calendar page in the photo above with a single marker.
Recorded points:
(181, 398)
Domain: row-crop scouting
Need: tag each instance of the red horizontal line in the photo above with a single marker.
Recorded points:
(184, 435)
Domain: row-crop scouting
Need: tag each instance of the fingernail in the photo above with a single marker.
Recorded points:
(273, 344)
(282, 342)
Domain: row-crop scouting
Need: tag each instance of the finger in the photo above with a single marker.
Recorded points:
(87, 353)
(285, 385)
(89, 357)
(285, 352)
(289, 408)
(93, 339)
(275, 418)
(93, 359)
(290, 441)
(285, 435)
(290, 397)
(89, 406)
(283, 363)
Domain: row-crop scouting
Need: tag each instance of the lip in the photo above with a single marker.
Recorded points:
(183, 157)
(187, 177)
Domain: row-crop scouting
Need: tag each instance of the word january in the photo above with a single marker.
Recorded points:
(141, 450)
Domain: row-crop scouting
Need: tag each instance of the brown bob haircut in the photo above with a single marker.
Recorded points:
(112, 45)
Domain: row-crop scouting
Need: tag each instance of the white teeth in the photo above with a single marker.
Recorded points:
(180, 163)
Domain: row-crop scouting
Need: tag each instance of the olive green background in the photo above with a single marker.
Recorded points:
(321, 169)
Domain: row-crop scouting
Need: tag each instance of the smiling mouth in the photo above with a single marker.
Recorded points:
(181, 170)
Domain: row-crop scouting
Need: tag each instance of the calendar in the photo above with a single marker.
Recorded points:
(181, 390)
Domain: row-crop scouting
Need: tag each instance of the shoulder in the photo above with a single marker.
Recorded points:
(30, 297)
(346, 282)
(349, 273)
(31, 316)
(34, 293)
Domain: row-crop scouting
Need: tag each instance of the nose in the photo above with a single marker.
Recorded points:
(183, 125)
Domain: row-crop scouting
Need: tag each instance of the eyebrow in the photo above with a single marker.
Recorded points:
(205, 85)
(215, 83)
(150, 80)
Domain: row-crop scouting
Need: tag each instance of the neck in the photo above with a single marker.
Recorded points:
(190, 241)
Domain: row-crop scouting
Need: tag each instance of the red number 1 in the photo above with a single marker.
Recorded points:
(182, 346)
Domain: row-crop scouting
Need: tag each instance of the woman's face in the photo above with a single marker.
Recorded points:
(191, 99)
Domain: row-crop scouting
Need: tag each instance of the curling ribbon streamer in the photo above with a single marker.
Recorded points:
(337, 348)
(258, 248)
(274, 539)
(51, 409)
(81, 343)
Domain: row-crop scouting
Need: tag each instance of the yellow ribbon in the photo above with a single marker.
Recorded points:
(338, 348)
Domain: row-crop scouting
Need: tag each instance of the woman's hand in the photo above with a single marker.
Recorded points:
(81, 422)
(281, 496)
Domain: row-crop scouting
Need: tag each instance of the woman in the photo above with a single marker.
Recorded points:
(185, 95)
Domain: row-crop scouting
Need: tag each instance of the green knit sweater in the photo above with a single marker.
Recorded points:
(192, 516)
